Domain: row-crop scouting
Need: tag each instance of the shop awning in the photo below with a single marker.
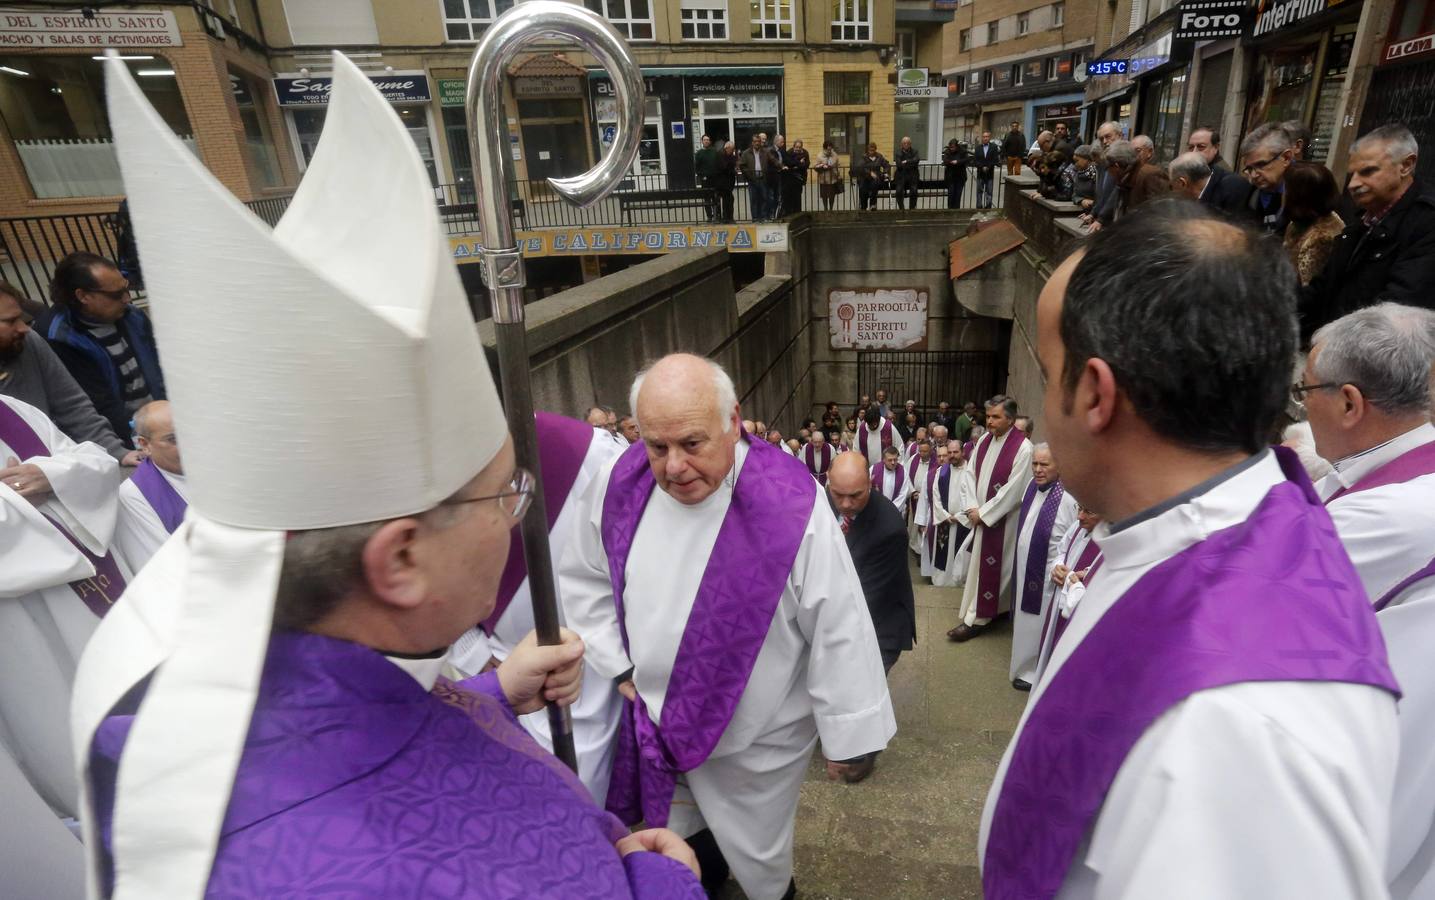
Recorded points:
(718, 71)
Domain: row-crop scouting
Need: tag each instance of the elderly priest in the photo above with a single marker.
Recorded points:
(710, 561)
(1247, 731)
(326, 756)
(154, 499)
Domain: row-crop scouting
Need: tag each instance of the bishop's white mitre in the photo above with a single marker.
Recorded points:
(326, 372)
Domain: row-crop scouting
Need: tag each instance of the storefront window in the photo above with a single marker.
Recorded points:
(1332, 80)
(54, 109)
(309, 123)
(846, 131)
(912, 121)
(261, 160)
(846, 88)
(1283, 84)
(1163, 102)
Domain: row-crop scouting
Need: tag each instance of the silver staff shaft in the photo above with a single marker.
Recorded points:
(523, 25)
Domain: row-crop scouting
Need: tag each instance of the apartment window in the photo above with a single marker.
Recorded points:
(906, 48)
(1016, 74)
(1058, 15)
(846, 88)
(260, 157)
(331, 23)
(988, 79)
(1023, 22)
(959, 84)
(465, 20)
(771, 20)
(851, 20)
(1050, 68)
(632, 18)
(964, 40)
(991, 32)
(846, 131)
(704, 20)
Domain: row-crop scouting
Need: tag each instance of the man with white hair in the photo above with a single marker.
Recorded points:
(1047, 513)
(154, 499)
(818, 455)
(1107, 197)
(1145, 148)
(1367, 388)
(941, 551)
(1191, 176)
(996, 481)
(707, 561)
(1389, 254)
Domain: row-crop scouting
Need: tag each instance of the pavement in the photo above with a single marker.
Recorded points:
(909, 832)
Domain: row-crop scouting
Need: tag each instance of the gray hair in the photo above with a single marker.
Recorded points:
(1270, 135)
(1084, 151)
(1397, 140)
(1007, 404)
(722, 386)
(1386, 351)
(1038, 447)
(1112, 124)
(1142, 142)
(1190, 166)
(1122, 154)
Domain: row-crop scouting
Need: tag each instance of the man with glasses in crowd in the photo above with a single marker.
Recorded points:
(1266, 153)
(105, 342)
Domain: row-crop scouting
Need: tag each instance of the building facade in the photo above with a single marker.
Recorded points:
(1017, 61)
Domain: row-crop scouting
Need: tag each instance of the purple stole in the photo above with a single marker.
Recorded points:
(562, 446)
(739, 593)
(160, 495)
(989, 571)
(938, 535)
(879, 473)
(818, 472)
(1087, 561)
(885, 433)
(1031, 584)
(100, 591)
(1408, 465)
(1205, 618)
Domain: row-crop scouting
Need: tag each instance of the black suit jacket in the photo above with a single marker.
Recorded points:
(1231, 194)
(877, 541)
(986, 158)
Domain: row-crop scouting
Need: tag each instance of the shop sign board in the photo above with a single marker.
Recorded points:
(916, 77)
(1416, 46)
(627, 240)
(547, 86)
(313, 90)
(1209, 20)
(919, 93)
(877, 318)
(451, 91)
(1273, 14)
(36, 28)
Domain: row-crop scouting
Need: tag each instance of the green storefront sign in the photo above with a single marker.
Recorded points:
(450, 91)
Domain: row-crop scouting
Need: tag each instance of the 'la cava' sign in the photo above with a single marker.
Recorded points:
(877, 318)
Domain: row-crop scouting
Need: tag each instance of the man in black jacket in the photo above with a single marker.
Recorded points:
(1014, 147)
(1230, 194)
(877, 538)
(1390, 253)
(987, 158)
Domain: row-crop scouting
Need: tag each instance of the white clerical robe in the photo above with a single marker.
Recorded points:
(1026, 627)
(1002, 507)
(944, 507)
(140, 532)
(917, 497)
(818, 673)
(39, 857)
(889, 488)
(43, 624)
(1259, 789)
(596, 711)
(1389, 533)
(870, 444)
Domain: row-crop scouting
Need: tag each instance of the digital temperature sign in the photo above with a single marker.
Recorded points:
(1106, 67)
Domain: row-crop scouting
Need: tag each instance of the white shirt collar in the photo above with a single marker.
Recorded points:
(425, 670)
(1356, 466)
(1230, 500)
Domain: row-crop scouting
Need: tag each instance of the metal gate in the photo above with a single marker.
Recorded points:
(928, 377)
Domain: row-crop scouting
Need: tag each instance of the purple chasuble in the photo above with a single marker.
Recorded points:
(100, 591)
(993, 548)
(815, 466)
(1407, 466)
(879, 473)
(741, 586)
(1031, 584)
(356, 782)
(160, 495)
(562, 446)
(1274, 598)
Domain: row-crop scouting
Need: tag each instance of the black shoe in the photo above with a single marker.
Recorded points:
(1021, 684)
(710, 861)
(791, 890)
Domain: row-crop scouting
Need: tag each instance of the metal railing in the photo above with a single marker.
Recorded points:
(31, 246)
(658, 198)
(929, 377)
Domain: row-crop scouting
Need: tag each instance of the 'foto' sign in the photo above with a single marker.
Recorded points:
(877, 318)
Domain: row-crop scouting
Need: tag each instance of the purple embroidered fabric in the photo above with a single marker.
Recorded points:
(1032, 584)
(356, 782)
(1274, 598)
(741, 586)
(993, 544)
(160, 495)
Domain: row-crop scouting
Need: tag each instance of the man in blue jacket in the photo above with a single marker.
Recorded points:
(105, 343)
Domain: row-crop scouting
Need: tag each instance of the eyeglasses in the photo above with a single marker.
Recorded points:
(1298, 390)
(514, 502)
(116, 295)
(1255, 167)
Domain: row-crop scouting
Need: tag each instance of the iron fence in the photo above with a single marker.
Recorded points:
(31, 246)
(929, 377)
